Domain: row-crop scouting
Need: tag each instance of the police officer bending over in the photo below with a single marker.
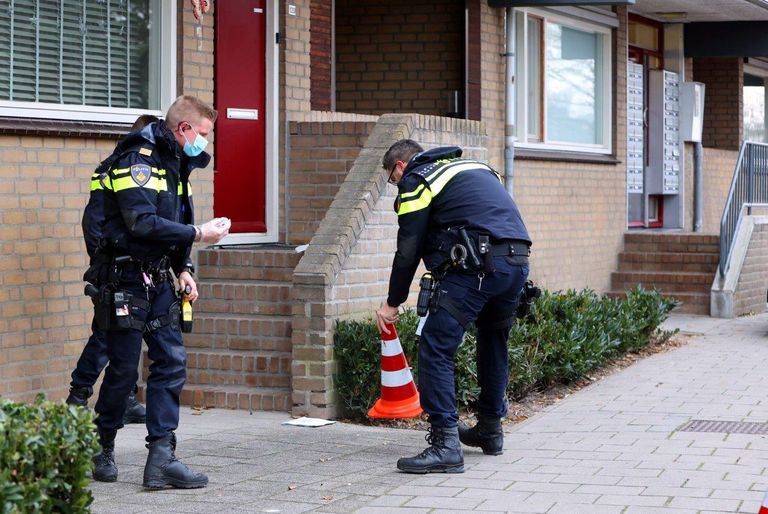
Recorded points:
(456, 215)
(148, 231)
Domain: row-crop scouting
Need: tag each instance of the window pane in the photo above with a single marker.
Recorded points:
(754, 114)
(573, 84)
(24, 58)
(534, 79)
(82, 52)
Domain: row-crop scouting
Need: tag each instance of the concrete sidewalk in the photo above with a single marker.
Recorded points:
(614, 447)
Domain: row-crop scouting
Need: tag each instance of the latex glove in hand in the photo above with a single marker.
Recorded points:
(214, 230)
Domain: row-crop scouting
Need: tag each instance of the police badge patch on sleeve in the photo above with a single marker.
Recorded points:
(141, 173)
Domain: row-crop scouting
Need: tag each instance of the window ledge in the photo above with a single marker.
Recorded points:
(530, 154)
(50, 127)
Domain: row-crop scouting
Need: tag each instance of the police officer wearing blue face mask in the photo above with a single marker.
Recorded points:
(148, 231)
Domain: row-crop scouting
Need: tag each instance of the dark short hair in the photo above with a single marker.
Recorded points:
(402, 150)
(142, 121)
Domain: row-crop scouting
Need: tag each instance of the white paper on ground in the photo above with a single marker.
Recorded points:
(308, 422)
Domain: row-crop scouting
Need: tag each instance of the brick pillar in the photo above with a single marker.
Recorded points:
(723, 100)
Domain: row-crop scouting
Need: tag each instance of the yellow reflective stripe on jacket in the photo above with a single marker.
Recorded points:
(123, 180)
(442, 175)
(415, 192)
(421, 197)
(96, 182)
(180, 189)
(413, 204)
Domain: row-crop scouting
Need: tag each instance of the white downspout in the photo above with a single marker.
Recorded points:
(509, 122)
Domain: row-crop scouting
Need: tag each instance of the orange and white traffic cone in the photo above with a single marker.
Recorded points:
(399, 397)
(764, 505)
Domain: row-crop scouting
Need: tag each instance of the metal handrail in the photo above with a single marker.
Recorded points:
(749, 186)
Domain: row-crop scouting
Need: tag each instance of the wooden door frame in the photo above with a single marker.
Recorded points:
(271, 137)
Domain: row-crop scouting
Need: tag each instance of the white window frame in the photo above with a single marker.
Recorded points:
(521, 83)
(72, 112)
(759, 68)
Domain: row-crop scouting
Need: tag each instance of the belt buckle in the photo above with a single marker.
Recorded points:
(512, 249)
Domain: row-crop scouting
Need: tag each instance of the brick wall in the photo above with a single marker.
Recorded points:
(44, 184)
(723, 100)
(295, 70)
(474, 60)
(345, 269)
(320, 54)
(749, 296)
(492, 78)
(44, 317)
(718, 174)
(195, 77)
(321, 155)
(399, 56)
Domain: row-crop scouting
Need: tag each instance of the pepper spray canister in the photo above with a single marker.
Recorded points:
(186, 311)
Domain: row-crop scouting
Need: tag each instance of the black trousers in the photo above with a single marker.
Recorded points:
(167, 373)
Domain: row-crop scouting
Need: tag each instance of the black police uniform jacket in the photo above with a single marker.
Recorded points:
(147, 202)
(440, 191)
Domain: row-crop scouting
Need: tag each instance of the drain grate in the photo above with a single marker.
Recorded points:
(726, 427)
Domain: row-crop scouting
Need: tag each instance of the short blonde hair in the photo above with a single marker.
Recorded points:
(190, 109)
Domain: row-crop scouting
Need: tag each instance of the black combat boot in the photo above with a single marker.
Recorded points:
(163, 469)
(134, 411)
(105, 469)
(79, 396)
(487, 434)
(444, 454)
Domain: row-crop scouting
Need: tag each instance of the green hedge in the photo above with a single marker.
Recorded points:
(45, 457)
(565, 336)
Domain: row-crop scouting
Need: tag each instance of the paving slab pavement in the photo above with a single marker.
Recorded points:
(613, 447)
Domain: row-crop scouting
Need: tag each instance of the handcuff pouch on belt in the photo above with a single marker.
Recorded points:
(114, 307)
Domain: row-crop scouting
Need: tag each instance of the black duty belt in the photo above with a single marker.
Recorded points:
(512, 248)
(158, 271)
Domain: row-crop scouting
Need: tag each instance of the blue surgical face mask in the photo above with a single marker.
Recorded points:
(197, 146)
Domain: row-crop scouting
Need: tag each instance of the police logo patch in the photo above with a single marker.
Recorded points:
(140, 173)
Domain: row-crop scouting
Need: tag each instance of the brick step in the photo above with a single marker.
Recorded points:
(241, 326)
(259, 369)
(670, 237)
(261, 262)
(659, 278)
(691, 303)
(237, 397)
(244, 298)
(667, 261)
(272, 291)
(238, 343)
(245, 273)
(671, 247)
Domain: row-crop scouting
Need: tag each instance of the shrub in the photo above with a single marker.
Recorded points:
(565, 336)
(45, 457)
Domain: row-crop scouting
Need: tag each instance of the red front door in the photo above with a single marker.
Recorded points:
(239, 93)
